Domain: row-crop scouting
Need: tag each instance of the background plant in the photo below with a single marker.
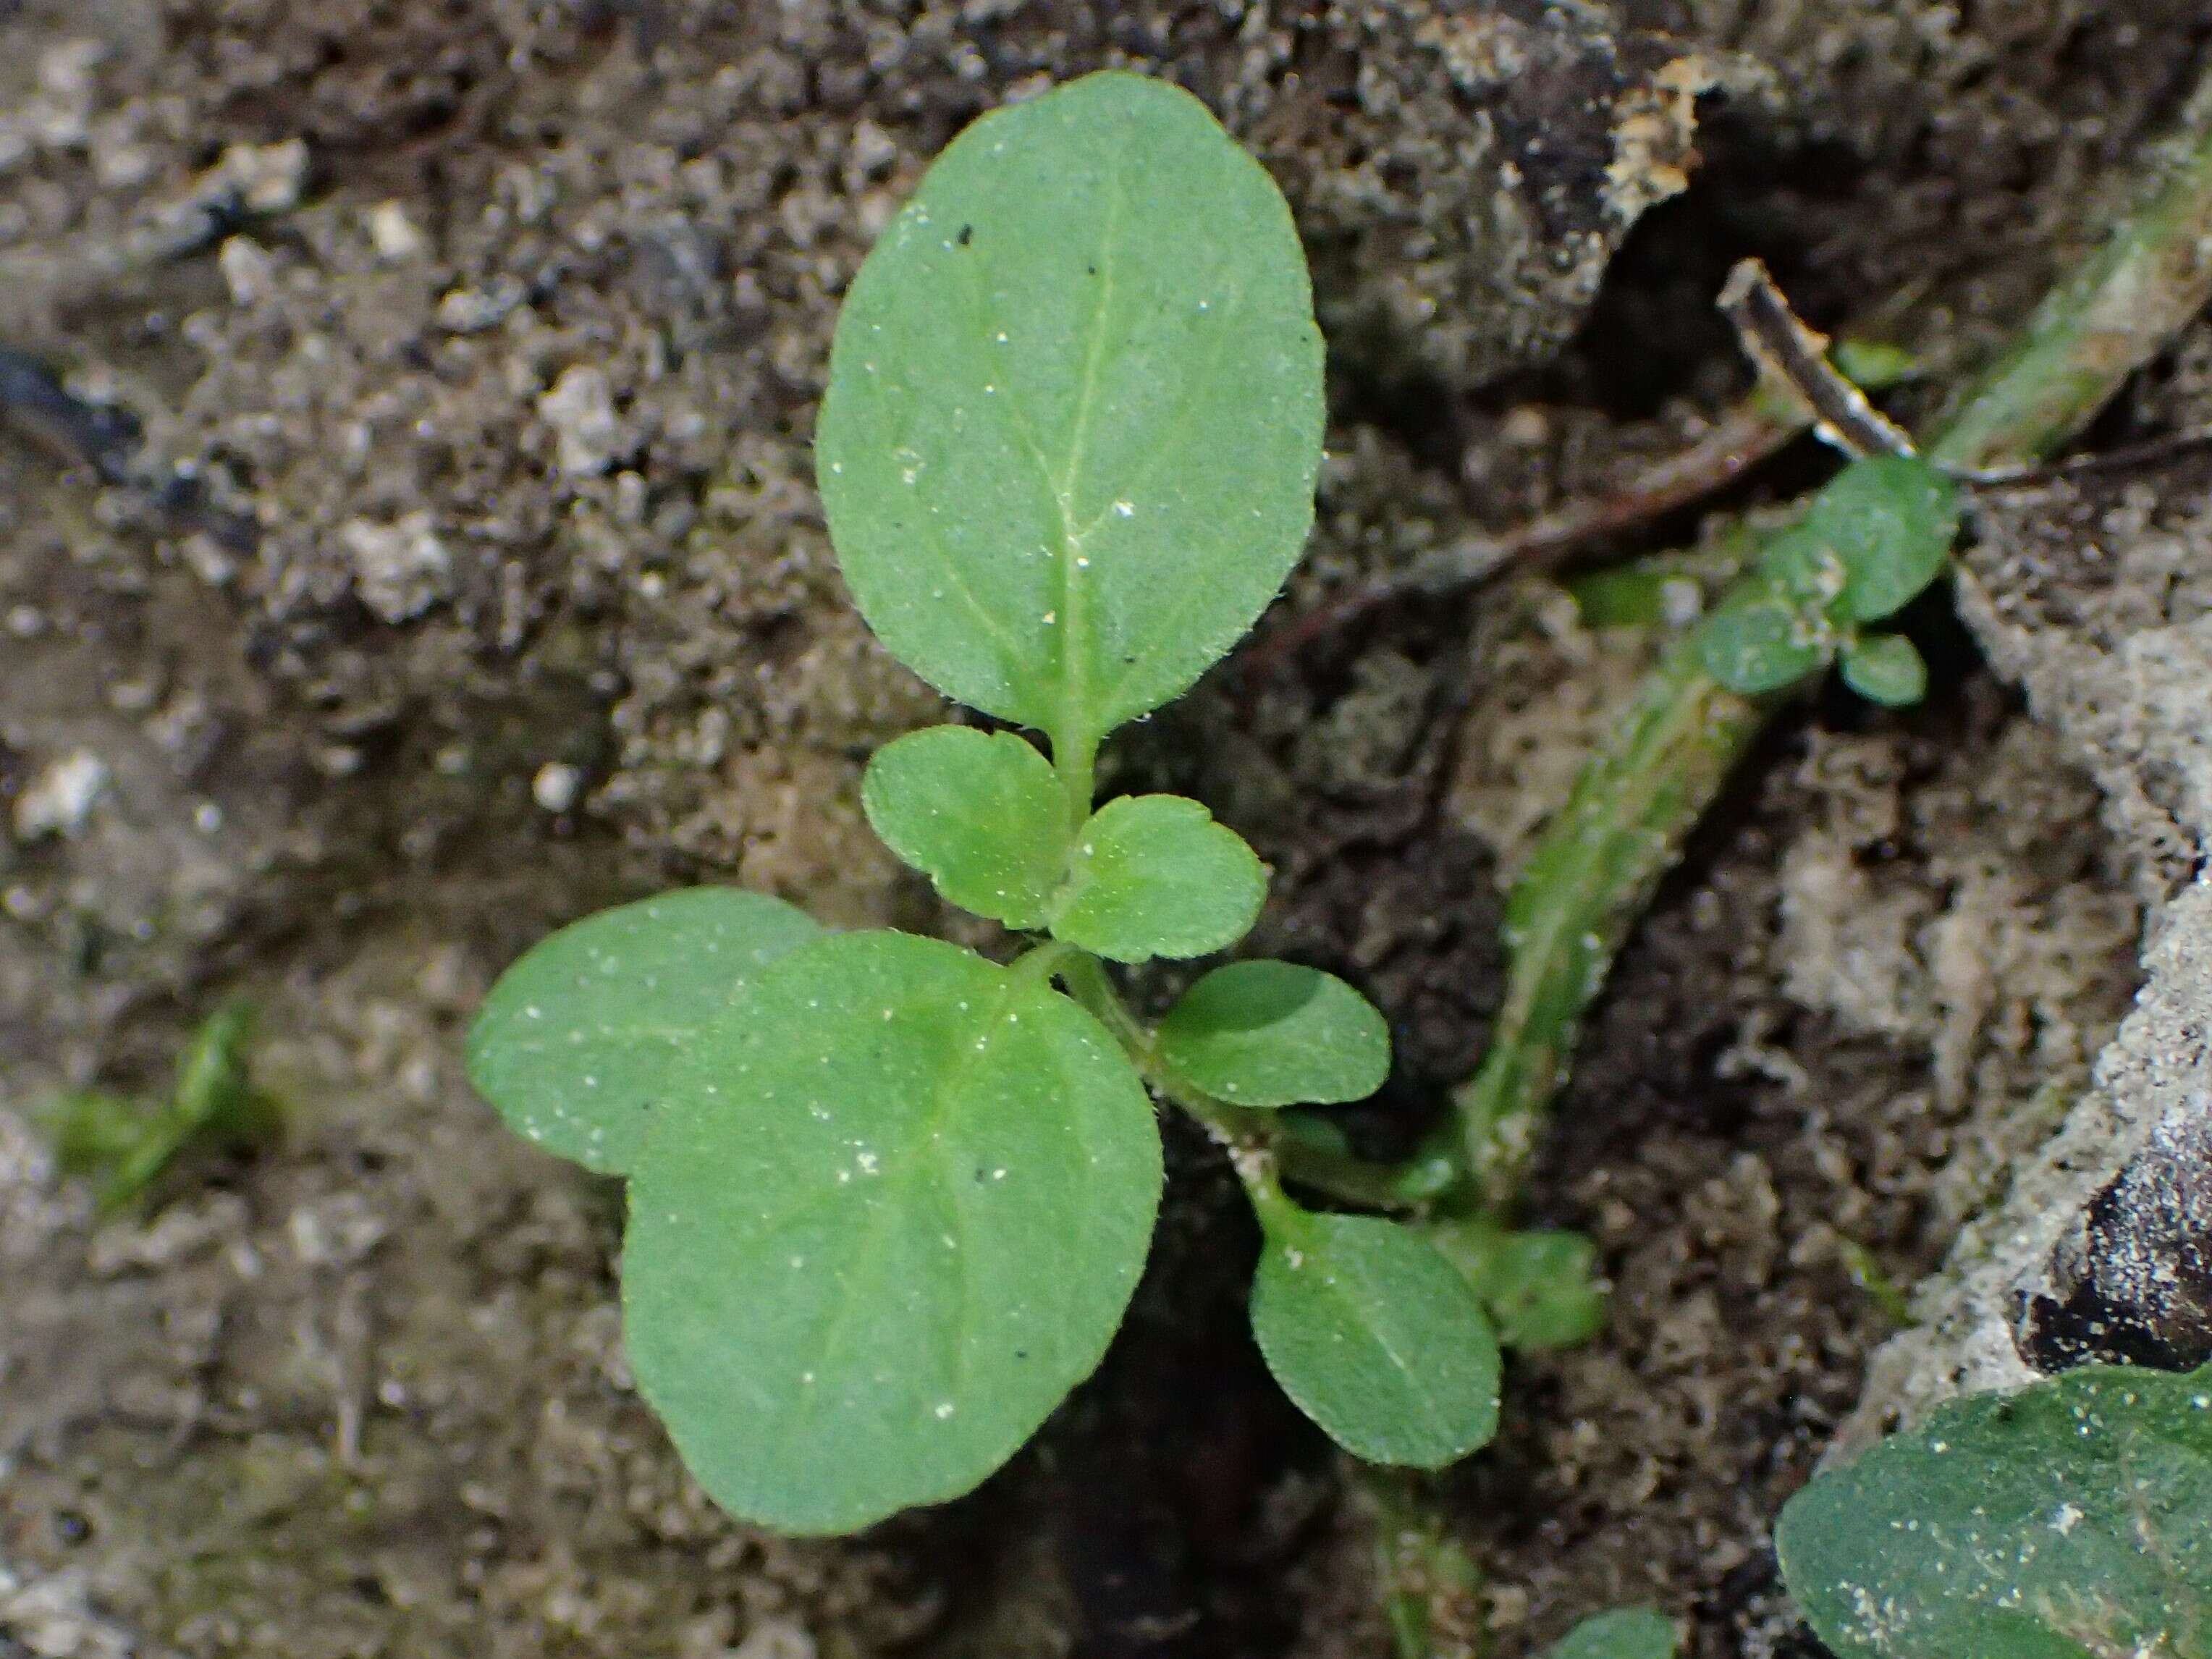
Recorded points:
(888, 1198)
(2070, 1520)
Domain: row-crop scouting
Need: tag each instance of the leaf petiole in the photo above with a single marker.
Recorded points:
(1245, 1134)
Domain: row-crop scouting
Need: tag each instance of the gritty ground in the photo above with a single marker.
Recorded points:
(487, 338)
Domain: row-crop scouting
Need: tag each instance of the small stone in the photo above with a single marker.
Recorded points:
(400, 569)
(392, 233)
(211, 561)
(61, 798)
(335, 1232)
(248, 271)
(580, 409)
(470, 310)
(774, 1639)
(268, 178)
(557, 785)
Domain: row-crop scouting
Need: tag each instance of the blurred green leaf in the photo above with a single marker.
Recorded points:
(1623, 1633)
(1886, 669)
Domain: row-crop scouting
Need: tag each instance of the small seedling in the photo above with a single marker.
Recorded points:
(888, 1198)
(2071, 1520)
(125, 1146)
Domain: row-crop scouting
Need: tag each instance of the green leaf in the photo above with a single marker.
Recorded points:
(1623, 1633)
(127, 1145)
(891, 1213)
(1541, 1287)
(1275, 1033)
(983, 815)
(1155, 875)
(1886, 669)
(1761, 643)
(575, 1044)
(1892, 520)
(1874, 364)
(1074, 411)
(1374, 1336)
(2071, 1520)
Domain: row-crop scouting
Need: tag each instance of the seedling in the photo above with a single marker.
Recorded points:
(888, 1198)
(123, 1146)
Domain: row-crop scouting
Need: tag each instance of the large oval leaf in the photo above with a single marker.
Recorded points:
(574, 1045)
(1074, 411)
(892, 1214)
(1375, 1337)
(2072, 1520)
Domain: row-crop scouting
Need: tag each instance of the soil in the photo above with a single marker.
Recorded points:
(426, 554)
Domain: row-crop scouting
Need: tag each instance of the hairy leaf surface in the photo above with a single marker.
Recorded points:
(1275, 1033)
(1155, 875)
(1891, 520)
(575, 1044)
(1074, 410)
(1375, 1337)
(2071, 1520)
(980, 814)
(892, 1214)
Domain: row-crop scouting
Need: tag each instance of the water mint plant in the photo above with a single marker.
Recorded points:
(888, 1198)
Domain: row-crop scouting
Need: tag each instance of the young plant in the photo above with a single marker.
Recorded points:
(125, 1147)
(888, 1198)
(2071, 1520)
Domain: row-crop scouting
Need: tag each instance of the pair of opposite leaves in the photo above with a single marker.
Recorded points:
(887, 1200)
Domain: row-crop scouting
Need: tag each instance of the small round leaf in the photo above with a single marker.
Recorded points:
(1155, 875)
(892, 1214)
(1759, 644)
(575, 1044)
(980, 814)
(1886, 668)
(1892, 520)
(1275, 1033)
(1375, 1337)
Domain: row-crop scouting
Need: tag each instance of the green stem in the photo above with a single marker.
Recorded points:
(2151, 277)
(1247, 1134)
(1639, 798)
(1583, 891)
(1236, 1128)
(1429, 1583)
